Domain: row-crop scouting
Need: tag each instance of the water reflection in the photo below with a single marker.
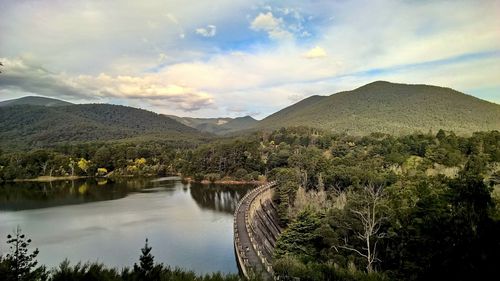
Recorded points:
(35, 195)
(16, 196)
(217, 197)
(188, 225)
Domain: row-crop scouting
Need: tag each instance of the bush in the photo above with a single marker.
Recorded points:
(261, 178)
(254, 175)
(102, 172)
(212, 177)
(289, 267)
(87, 271)
(240, 174)
(198, 177)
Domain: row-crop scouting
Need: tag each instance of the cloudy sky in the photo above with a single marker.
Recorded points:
(238, 57)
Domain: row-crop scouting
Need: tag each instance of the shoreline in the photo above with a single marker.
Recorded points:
(224, 182)
(186, 179)
(50, 179)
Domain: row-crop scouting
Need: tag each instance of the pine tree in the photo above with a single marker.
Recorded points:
(146, 265)
(20, 263)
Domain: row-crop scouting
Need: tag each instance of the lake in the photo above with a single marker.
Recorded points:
(188, 225)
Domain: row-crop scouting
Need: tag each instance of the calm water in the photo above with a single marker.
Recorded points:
(187, 225)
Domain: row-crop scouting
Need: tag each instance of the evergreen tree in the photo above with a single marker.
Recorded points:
(301, 238)
(146, 265)
(19, 264)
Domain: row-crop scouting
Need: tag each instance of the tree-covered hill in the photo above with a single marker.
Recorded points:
(219, 126)
(390, 108)
(39, 126)
(376, 107)
(34, 100)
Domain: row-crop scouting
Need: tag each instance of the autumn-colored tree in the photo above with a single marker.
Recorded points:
(84, 165)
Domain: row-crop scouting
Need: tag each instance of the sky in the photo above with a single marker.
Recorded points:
(233, 58)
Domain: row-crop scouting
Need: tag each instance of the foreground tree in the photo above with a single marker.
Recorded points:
(19, 264)
(145, 270)
(363, 219)
(301, 238)
(288, 182)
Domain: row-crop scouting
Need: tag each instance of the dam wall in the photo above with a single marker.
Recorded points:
(256, 231)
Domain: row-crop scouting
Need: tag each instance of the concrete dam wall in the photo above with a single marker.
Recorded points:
(256, 230)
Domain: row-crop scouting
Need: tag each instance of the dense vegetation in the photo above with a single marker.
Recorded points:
(377, 207)
(390, 108)
(417, 207)
(94, 159)
(19, 264)
(27, 126)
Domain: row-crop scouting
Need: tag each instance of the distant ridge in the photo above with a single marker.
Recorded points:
(376, 107)
(35, 100)
(219, 126)
(390, 108)
(40, 126)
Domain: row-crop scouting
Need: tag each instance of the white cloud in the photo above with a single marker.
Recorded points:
(375, 38)
(239, 71)
(209, 31)
(266, 22)
(91, 36)
(279, 34)
(22, 76)
(272, 25)
(315, 53)
(172, 18)
(78, 40)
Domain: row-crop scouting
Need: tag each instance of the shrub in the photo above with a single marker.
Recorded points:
(212, 177)
(198, 177)
(102, 172)
(240, 174)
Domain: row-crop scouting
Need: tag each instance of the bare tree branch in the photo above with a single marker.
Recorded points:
(367, 212)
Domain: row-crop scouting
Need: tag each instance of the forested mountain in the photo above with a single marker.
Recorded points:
(390, 108)
(219, 126)
(34, 100)
(38, 126)
(376, 107)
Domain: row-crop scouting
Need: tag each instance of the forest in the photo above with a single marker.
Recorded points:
(377, 207)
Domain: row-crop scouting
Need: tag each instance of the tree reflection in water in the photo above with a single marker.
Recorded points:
(16, 196)
(221, 198)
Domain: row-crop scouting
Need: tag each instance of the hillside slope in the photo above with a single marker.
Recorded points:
(390, 108)
(219, 126)
(38, 126)
(34, 100)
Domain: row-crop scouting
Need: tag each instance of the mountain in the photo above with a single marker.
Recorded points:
(390, 108)
(376, 107)
(219, 126)
(38, 126)
(34, 100)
